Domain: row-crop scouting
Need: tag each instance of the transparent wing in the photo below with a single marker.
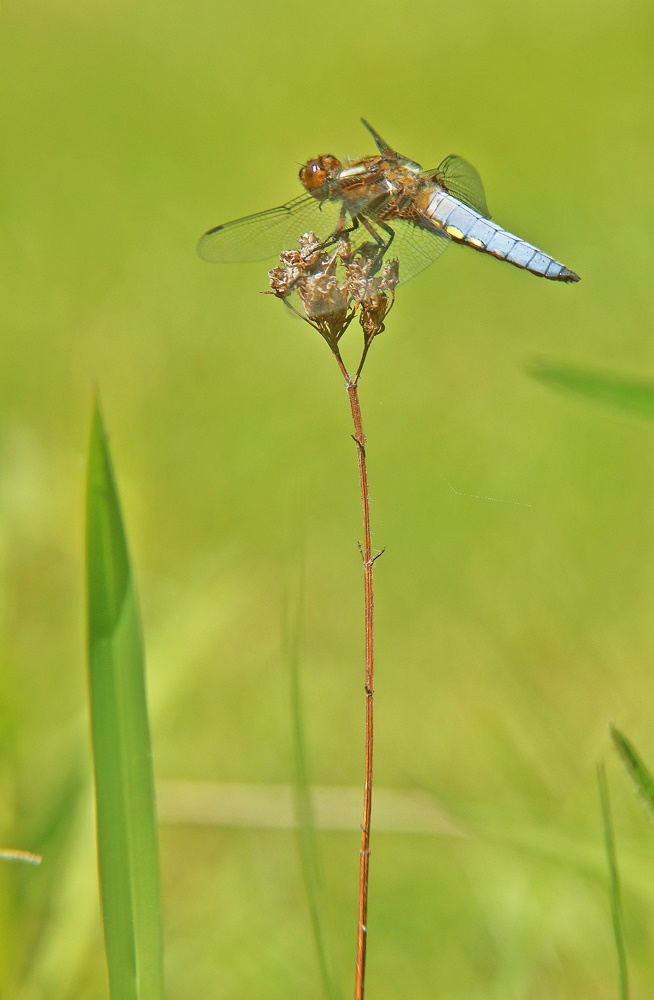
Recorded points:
(266, 234)
(415, 248)
(460, 179)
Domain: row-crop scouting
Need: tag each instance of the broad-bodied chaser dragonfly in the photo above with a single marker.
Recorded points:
(411, 214)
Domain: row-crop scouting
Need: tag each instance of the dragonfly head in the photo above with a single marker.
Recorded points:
(316, 174)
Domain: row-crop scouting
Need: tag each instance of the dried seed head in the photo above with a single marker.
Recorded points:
(390, 278)
(371, 315)
(334, 284)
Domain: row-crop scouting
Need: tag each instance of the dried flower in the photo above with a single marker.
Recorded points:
(333, 285)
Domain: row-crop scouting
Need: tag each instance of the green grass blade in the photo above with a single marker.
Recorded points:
(309, 853)
(641, 776)
(616, 904)
(128, 853)
(631, 395)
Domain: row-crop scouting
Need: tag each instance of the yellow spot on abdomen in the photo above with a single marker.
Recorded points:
(474, 242)
(455, 233)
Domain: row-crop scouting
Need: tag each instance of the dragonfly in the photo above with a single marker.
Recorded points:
(410, 214)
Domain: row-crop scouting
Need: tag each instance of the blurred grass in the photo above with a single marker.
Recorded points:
(600, 388)
(126, 820)
(614, 884)
(636, 769)
(509, 633)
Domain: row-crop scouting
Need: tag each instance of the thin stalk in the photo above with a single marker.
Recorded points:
(368, 564)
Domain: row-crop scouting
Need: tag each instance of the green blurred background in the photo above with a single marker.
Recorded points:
(510, 630)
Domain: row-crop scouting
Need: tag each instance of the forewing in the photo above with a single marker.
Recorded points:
(460, 179)
(266, 234)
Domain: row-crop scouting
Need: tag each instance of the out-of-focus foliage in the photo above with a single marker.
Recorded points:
(614, 882)
(126, 824)
(603, 388)
(515, 596)
(636, 768)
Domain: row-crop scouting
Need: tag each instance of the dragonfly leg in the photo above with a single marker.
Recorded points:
(384, 245)
(340, 231)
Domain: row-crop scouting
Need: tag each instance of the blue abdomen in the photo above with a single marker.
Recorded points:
(446, 215)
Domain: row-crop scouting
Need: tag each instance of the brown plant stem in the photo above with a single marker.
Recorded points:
(368, 564)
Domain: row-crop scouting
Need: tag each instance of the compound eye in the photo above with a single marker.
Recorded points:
(313, 175)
